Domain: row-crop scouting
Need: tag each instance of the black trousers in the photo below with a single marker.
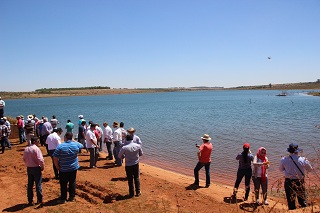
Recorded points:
(56, 172)
(65, 178)
(133, 173)
(295, 188)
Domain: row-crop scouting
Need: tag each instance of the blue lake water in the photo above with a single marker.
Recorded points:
(169, 124)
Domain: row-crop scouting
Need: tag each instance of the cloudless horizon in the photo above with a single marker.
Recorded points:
(157, 44)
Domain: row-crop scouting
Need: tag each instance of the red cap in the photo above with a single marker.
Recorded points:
(246, 145)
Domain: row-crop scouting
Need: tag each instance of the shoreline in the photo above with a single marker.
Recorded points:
(93, 92)
(104, 189)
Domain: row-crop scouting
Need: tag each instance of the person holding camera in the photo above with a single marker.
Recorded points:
(204, 156)
(245, 159)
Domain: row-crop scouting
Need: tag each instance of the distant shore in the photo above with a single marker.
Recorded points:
(87, 92)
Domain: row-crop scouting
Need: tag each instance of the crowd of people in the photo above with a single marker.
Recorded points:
(255, 167)
(127, 145)
(90, 138)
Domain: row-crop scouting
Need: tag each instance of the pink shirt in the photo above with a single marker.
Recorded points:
(32, 156)
(20, 123)
(205, 149)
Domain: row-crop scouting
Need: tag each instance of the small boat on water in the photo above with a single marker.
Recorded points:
(282, 94)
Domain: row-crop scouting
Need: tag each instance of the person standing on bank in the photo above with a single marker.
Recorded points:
(204, 156)
(69, 126)
(4, 133)
(132, 152)
(20, 126)
(29, 130)
(54, 140)
(92, 145)
(34, 161)
(107, 133)
(8, 125)
(245, 159)
(260, 174)
(65, 158)
(82, 134)
(46, 131)
(117, 141)
(294, 168)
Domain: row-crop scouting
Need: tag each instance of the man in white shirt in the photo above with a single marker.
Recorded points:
(117, 141)
(52, 141)
(92, 145)
(107, 132)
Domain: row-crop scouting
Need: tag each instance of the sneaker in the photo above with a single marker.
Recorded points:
(207, 186)
(138, 194)
(266, 202)
(195, 184)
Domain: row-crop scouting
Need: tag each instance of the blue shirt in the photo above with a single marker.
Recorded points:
(131, 153)
(290, 170)
(67, 154)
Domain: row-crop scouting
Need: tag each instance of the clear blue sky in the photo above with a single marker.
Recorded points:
(157, 43)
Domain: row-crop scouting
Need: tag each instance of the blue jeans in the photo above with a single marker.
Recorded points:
(116, 150)
(65, 178)
(5, 142)
(133, 174)
(22, 137)
(196, 172)
(34, 175)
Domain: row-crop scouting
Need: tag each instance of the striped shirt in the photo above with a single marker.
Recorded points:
(67, 154)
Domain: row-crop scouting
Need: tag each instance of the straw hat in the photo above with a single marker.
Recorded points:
(206, 137)
(131, 129)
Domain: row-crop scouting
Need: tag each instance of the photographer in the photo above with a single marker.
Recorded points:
(204, 156)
